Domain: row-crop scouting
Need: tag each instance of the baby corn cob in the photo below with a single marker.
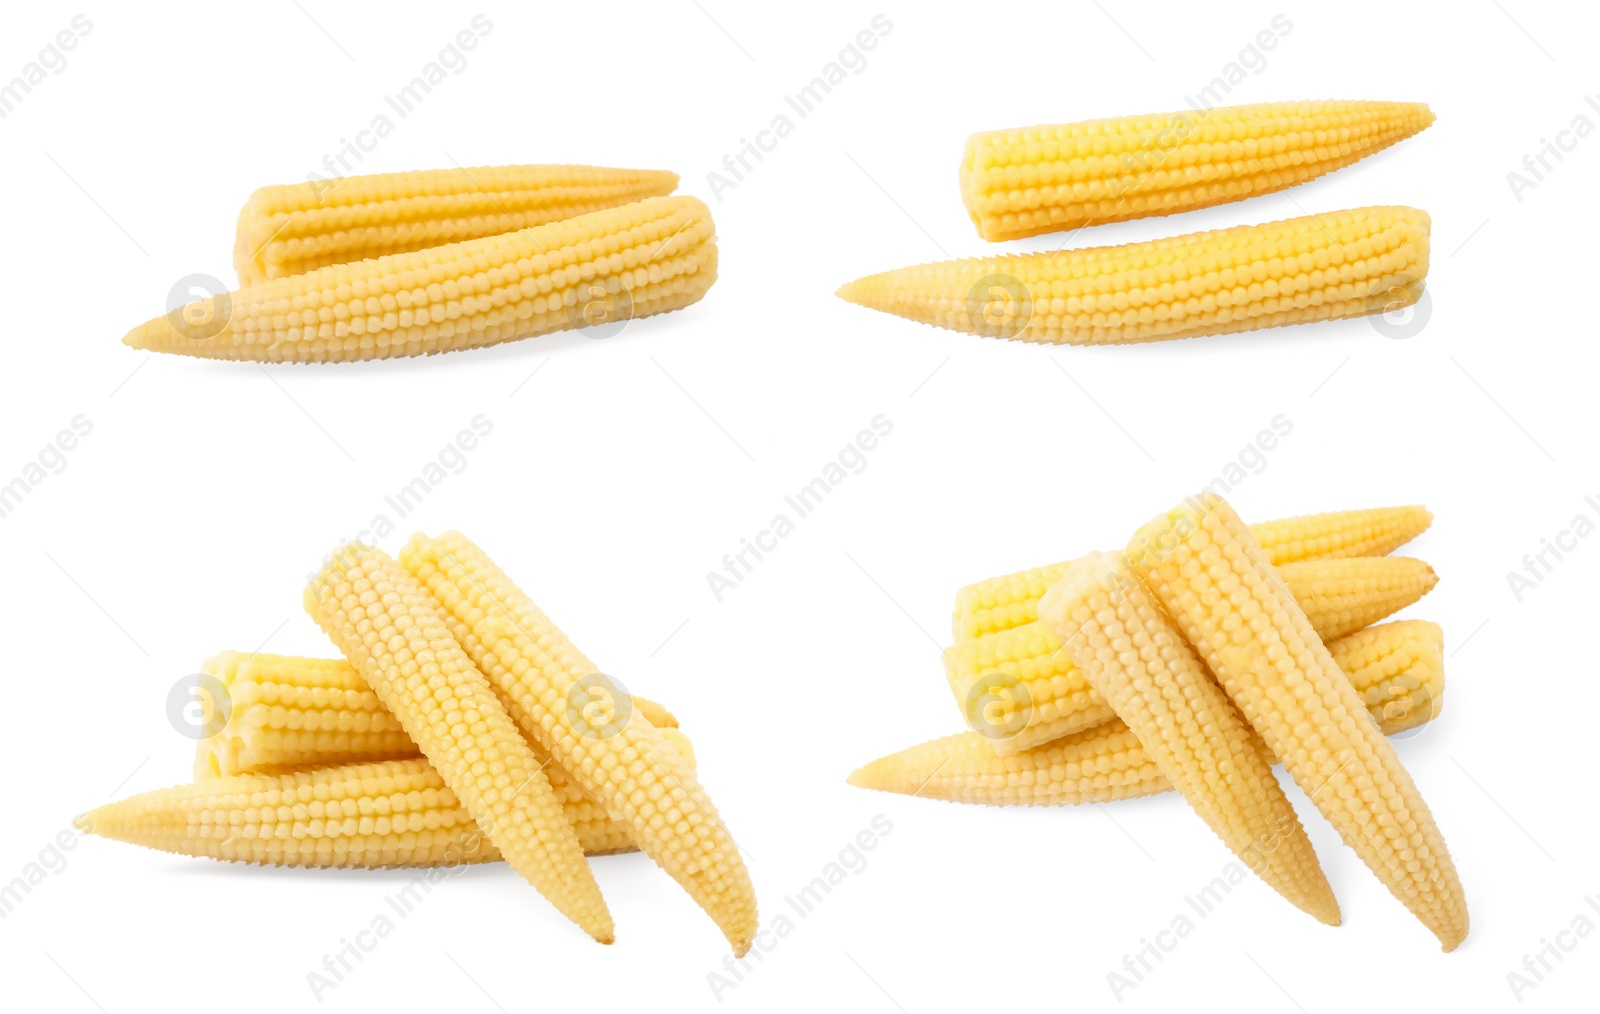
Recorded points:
(1216, 582)
(619, 758)
(1011, 600)
(632, 261)
(293, 712)
(389, 629)
(1342, 596)
(1136, 659)
(1396, 668)
(1035, 693)
(290, 712)
(1050, 178)
(389, 813)
(287, 230)
(1297, 271)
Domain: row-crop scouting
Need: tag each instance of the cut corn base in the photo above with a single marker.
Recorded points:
(1299, 270)
(636, 260)
(288, 712)
(1397, 669)
(1036, 693)
(1033, 180)
(291, 229)
(1011, 600)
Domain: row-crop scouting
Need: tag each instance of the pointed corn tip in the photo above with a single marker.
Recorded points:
(858, 778)
(84, 822)
(847, 292)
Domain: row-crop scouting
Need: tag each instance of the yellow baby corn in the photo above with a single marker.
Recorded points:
(558, 699)
(1021, 689)
(632, 261)
(389, 629)
(290, 712)
(1297, 271)
(1136, 659)
(1396, 668)
(1342, 596)
(1011, 600)
(286, 230)
(389, 813)
(1032, 180)
(1218, 586)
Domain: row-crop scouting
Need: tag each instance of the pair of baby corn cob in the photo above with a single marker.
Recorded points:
(1194, 660)
(404, 264)
(1024, 182)
(463, 726)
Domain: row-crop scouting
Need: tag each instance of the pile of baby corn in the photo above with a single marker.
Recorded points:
(407, 264)
(1201, 655)
(1034, 180)
(461, 726)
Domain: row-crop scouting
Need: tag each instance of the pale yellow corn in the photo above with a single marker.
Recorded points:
(1136, 659)
(298, 227)
(1396, 668)
(1033, 180)
(1342, 596)
(389, 629)
(1021, 689)
(1011, 600)
(1215, 581)
(291, 712)
(1297, 271)
(560, 700)
(604, 267)
(389, 813)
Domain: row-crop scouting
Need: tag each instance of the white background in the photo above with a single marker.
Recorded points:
(622, 470)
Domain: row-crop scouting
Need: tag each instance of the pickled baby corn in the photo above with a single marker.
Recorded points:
(298, 227)
(1011, 600)
(1033, 180)
(1021, 689)
(614, 754)
(387, 626)
(1217, 584)
(643, 258)
(388, 813)
(1396, 668)
(1300, 270)
(291, 712)
(1134, 657)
